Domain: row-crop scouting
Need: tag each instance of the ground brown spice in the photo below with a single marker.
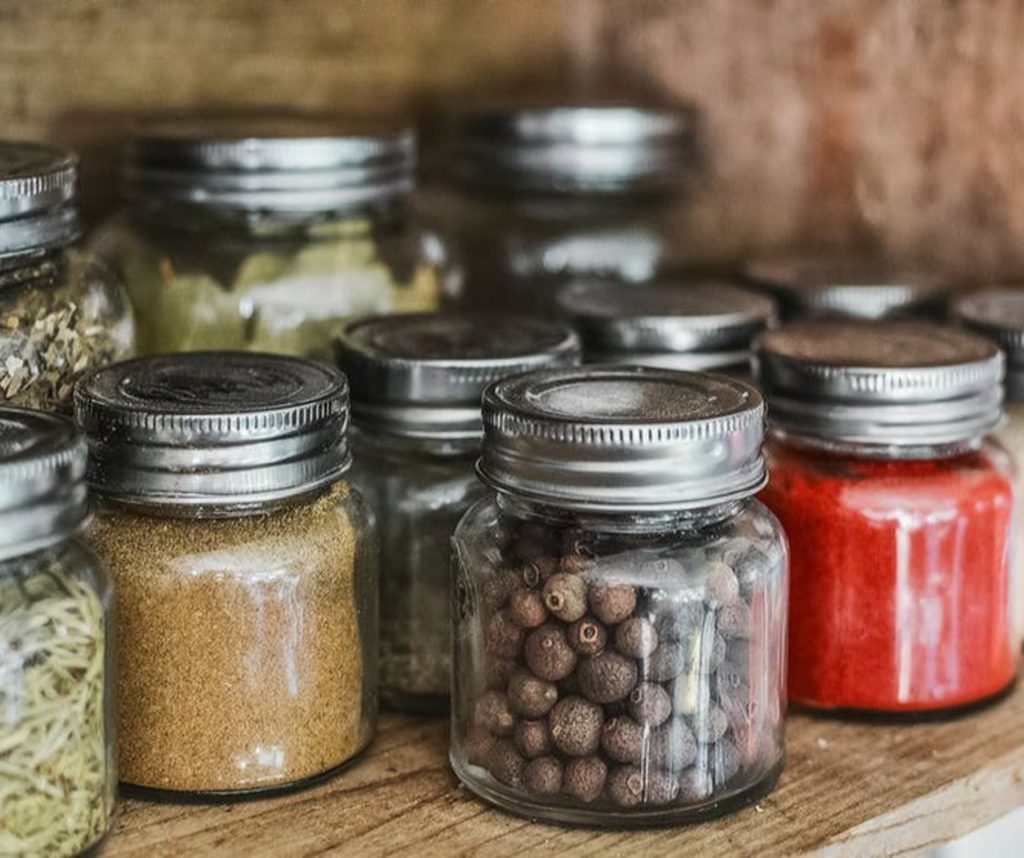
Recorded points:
(241, 663)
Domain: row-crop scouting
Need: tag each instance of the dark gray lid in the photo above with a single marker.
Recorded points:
(423, 374)
(213, 428)
(284, 164)
(42, 481)
(998, 314)
(597, 149)
(623, 438)
(852, 287)
(37, 193)
(690, 326)
(886, 383)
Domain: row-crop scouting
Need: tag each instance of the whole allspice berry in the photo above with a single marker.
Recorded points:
(504, 637)
(496, 589)
(493, 713)
(536, 572)
(607, 676)
(575, 724)
(722, 586)
(667, 661)
(531, 696)
(734, 620)
(533, 739)
(622, 740)
(506, 764)
(548, 654)
(636, 637)
(661, 787)
(498, 671)
(478, 746)
(574, 564)
(672, 746)
(625, 786)
(543, 776)
(587, 636)
(526, 607)
(612, 603)
(584, 778)
(710, 725)
(565, 596)
(649, 703)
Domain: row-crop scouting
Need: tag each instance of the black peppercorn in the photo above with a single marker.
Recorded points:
(584, 778)
(625, 786)
(533, 739)
(575, 726)
(548, 654)
(709, 726)
(722, 586)
(504, 636)
(672, 746)
(612, 603)
(543, 776)
(506, 764)
(526, 607)
(587, 636)
(649, 703)
(607, 676)
(493, 713)
(565, 596)
(622, 740)
(531, 696)
(636, 638)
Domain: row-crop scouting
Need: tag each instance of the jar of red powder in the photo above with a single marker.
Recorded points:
(898, 513)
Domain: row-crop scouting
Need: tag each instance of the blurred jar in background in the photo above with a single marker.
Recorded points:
(269, 233)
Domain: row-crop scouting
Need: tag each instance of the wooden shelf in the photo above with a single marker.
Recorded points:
(852, 789)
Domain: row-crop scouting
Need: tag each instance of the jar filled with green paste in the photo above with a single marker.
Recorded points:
(57, 749)
(244, 567)
(267, 234)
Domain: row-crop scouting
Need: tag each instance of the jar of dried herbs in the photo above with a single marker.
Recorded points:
(244, 568)
(62, 312)
(267, 233)
(416, 387)
(57, 748)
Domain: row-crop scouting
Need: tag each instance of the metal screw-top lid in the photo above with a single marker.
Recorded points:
(850, 287)
(37, 193)
(887, 383)
(998, 314)
(282, 164)
(42, 481)
(600, 149)
(422, 375)
(213, 429)
(621, 439)
(690, 326)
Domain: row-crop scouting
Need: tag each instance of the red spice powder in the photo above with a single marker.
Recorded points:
(900, 580)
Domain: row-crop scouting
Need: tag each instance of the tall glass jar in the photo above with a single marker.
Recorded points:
(620, 601)
(58, 773)
(62, 312)
(548, 194)
(268, 234)
(243, 566)
(899, 514)
(697, 326)
(416, 387)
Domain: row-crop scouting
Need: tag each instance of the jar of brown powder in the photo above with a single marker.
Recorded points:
(243, 567)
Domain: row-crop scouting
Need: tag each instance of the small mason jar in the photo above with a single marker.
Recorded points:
(243, 565)
(547, 194)
(57, 742)
(62, 312)
(700, 326)
(267, 234)
(620, 601)
(416, 387)
(899, 513)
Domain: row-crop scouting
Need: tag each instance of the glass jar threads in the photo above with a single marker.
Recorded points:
(57, 743)
(698, 326)
(620, 601)
(269, 233)
(898, 513)
(61, 311)
(551, 193)
(243, 567)
(416, 387)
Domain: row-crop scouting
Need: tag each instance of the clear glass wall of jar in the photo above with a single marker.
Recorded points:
(268, 234)
(899, 514)
(57, 728)
(620, 601)
(416, 387)
(244, 568)
(61, 311)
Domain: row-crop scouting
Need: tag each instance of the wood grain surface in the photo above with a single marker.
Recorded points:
(849, 789)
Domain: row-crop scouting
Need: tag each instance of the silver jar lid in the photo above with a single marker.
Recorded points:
(213, 429)
(37, 193)
(622, 439)
(281, 164)
(598, 149)
(849, 287)
(42, 481)
(998, 314)
(690, 326)
(888, 383)
(422, 375)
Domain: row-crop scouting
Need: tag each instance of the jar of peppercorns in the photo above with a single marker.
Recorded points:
(619, 601)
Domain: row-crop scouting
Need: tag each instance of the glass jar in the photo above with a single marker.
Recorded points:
(243, 566)
(62, 312)
(57, 736)
(416, 387)
(268, 234)
(698, 326)
(548, 194)
(620, 601)
(899, 514)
